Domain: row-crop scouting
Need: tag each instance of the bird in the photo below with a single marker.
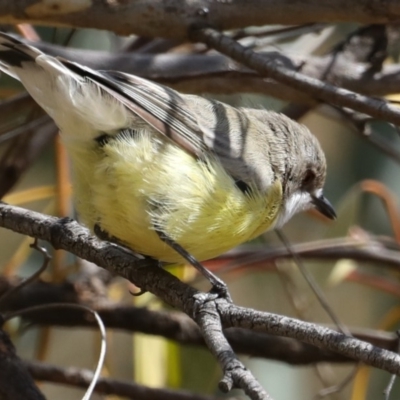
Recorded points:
(171, 176)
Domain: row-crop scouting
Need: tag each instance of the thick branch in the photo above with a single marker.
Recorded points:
(172, 19)
(69, 235)
(236, 375)
(310, 333)
(171, 325)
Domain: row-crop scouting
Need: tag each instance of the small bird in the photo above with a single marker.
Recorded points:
(171, 175)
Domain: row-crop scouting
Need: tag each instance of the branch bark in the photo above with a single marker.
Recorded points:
(171, 325)
(173, 18)
(216, 73)
(310, 333)
(274, 69)
(236, 375)
(69, 235)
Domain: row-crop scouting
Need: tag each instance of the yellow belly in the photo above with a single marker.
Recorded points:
(130, 186)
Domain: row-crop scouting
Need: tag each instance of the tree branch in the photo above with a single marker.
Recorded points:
(216, 73)
(173, 18)
(69, 235)
(309, 333)
(320, 90)
(64, 233)
(76, 377)
(236, 374)
(171, 325)
(374, 249)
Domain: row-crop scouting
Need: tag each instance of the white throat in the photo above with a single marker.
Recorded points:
(296, 202)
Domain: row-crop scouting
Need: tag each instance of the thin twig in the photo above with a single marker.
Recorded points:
(33, 277)
(337, 388)
(313, 284)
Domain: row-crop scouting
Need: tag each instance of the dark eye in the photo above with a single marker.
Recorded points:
(308, 177)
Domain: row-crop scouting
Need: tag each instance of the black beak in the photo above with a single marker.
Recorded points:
(323, 205)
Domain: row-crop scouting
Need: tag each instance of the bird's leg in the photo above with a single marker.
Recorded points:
(103, 235)
(219, 287)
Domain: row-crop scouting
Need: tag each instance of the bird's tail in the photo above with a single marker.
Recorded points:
(66, 91)
(38, 72)
(14, 54)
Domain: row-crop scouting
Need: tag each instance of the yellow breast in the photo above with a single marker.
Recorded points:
(131, 186)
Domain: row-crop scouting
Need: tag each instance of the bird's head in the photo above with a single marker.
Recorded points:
(304, 174)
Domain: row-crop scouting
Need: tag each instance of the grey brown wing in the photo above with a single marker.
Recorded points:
(197, 124)
(214, 126)
(162, 108)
